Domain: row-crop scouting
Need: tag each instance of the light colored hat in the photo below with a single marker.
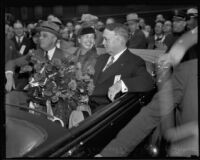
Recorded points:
(132, 17)
(88, 18)
(49, 26)
(192, 12)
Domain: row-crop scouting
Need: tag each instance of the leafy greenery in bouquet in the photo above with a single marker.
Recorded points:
(57, 79)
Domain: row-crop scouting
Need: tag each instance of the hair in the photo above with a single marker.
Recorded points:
(18, 21)
(119, 29)
(111, 18)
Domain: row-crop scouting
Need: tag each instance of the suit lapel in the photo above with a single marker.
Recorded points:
(113, 69)
(99, 66)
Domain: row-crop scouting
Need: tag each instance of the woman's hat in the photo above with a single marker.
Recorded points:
(86, 30)
(49, 26)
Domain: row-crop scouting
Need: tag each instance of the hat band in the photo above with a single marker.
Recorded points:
(49, 28)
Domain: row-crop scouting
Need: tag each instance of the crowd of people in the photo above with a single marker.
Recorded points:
(117, 71)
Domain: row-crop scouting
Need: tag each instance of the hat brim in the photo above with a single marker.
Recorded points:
(58, 35)
(132, 20)
(176, 18)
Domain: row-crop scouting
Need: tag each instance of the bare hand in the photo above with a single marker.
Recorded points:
(114, 89)
(10, 84)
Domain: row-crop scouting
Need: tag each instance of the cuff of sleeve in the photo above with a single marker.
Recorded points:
(9, 72)
(124, 87)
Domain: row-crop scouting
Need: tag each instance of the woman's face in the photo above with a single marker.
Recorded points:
(87, 41)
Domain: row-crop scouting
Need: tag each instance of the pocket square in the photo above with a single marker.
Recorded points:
(117, 78)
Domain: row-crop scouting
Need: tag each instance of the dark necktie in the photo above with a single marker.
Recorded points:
(46, 55)
(110, 63)
(18, 41)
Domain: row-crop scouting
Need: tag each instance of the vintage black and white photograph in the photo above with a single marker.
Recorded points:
(101, 80)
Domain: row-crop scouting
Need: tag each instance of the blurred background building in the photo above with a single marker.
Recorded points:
(28, 13)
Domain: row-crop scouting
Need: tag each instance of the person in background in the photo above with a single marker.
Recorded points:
(71, 35)
(65, 43)
(160, 18)
(35, 42)
(157, 40)
(167, 27)
(110, 20)
(22, 43)
(179, 26)
(142, 25)
(192, 23)
(100, 26)
(30, 27)
(9, 31)
(148, 30)
(137, 38)
(77, 28)
(119, 70)
(192, 18)
(167, 30)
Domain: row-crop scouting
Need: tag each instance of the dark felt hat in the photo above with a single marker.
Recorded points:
(179, 15)
(86, 30)
(49, 26)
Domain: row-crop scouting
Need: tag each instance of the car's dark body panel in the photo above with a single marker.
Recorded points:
(91, 135)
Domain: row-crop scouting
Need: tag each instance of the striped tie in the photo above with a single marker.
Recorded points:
(110, 63)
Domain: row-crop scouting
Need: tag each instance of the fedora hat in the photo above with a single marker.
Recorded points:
(132, 17)
(88, 18)
(179, 15)
(49, 26)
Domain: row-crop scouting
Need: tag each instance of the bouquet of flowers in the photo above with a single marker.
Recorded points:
(59, 80)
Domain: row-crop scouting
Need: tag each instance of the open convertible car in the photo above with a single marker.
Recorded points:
(29, 135)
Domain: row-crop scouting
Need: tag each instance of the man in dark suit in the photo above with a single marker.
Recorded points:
(156, 41)
(175, 93)
(119, 70)
(22, 43)
(49, 34)
(137, 38)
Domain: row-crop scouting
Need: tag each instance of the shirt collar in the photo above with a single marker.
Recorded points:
(21, 38)
(118, 55)
(51, 52)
